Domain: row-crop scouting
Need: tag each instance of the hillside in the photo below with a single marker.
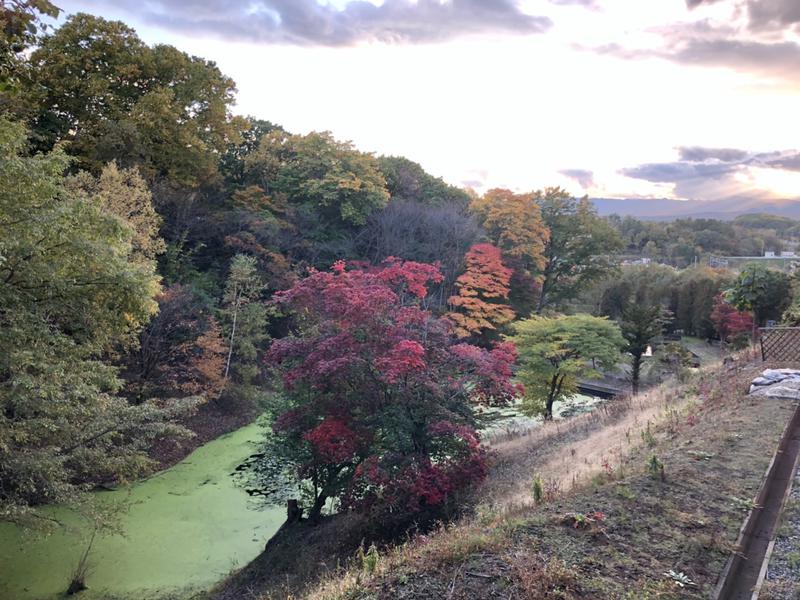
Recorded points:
(608, 526)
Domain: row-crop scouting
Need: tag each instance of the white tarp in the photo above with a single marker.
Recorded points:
(777, 383)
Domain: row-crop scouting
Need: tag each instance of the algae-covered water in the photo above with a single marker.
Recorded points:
(184, 530)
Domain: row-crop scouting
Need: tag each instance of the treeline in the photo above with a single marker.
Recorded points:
(682, 241)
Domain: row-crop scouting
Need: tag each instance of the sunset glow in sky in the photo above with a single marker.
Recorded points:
(614, 98)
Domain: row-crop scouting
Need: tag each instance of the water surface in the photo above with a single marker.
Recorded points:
(185, 529)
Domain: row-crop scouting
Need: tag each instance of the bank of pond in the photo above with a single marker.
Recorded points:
(178, 532)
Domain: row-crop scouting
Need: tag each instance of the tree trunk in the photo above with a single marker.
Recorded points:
(316, 509)
(636, 366)
(230, 343)
(551, 397)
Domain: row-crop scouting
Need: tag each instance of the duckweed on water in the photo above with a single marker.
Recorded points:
(184, 530)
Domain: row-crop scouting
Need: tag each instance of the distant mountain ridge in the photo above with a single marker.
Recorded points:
(663, 209)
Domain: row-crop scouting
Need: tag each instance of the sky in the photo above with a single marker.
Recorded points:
(684, 99)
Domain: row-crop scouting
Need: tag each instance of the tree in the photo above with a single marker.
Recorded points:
(697, 288)
(421, 233)
(579, 250)
(641, 324)
(729, 322)
(335, 184)
(406, 180)
(98, 86)
(71, 294)
(124, 193)
(243, 287)
(763, 291)
(514, 223)
(554, 353)
(180, 352)
(376, 406)
(20, 28)
(482, 290)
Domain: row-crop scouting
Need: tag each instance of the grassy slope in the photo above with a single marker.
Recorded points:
(715, 446)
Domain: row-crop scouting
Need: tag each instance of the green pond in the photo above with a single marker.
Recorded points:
(187, 526)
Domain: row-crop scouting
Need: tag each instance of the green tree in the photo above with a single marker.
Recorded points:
(696, 288)
(407, 180)
(242, 289)
(100, 87)
(554, 353)
(580, 249)
(20, 28)
(763, 291)
(71, 293)
(331, 183)
(641, 324)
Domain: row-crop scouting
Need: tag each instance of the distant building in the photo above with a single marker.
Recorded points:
(769, 254)
(788, 254)
(718, 261)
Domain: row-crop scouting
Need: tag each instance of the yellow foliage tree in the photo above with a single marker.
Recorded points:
(514, 224)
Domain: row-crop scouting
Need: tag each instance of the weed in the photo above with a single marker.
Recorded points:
(625, 492)
(647, 436)
(538, 489)
(580, 520)
(543, 578)
(369, 559)
(700, 455)
(655, 468)
(78, 581)
(680, 578)
(743, 503)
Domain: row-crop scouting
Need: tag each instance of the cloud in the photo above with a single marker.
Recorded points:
(307, 22)
(751, 36)
(773, 14)
(584, 178)
(696, 3)
(586, 3)
(715, 173)
(780, 59)
(777, 60)
(700, 154)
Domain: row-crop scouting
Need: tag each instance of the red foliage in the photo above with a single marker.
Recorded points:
(413, 276)
(379, 392)
(728, 321)
(333, 441)
(405, 358)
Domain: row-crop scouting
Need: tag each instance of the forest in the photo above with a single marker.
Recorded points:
(171, 272)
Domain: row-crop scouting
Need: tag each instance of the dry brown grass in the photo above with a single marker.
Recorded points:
(568, 454)
(714, 443)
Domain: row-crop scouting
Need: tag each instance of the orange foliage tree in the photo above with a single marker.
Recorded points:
(482, 290)
(514, 223)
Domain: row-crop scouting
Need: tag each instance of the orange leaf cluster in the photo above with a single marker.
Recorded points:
(481, 291)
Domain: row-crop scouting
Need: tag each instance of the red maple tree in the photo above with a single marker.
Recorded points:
(728, 321)
(378, 393)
